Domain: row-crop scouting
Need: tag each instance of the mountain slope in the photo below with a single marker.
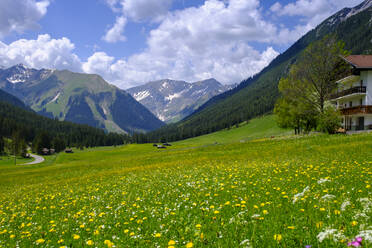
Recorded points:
(79, 98)
(8, 98)
(257, 95)
(172, 100)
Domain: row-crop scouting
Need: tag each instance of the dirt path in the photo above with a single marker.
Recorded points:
(38, 159)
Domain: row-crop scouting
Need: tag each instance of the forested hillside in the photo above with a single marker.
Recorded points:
(28, 125)
(6, 97)
(257, 95)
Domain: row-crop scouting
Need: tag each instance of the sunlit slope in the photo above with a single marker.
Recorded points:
(261, 127)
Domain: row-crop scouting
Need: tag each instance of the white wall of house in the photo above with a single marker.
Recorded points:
(367, 81)
(354, 118)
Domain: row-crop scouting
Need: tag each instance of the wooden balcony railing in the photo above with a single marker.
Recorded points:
(363, 109)
(358, 89)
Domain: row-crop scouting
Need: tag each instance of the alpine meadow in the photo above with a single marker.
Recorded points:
(263, 192)
(193, 124)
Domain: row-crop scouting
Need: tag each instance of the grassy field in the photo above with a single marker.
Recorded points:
(263, 192)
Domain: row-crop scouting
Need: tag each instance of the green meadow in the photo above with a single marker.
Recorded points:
(252, 186)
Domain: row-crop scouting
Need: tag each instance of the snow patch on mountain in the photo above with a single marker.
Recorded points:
(55, 98)
(165, 85)
(175, 95)
(201, 92)
(141, 95)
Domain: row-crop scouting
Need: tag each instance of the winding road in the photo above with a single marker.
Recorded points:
(38, 159)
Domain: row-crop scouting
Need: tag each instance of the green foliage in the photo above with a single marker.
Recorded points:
(42, 140)
(309, 85)
(58, 144)
(2, 145)
(329, 121)
(17, 145)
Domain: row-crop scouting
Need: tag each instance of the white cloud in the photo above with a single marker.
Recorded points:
(313, 11)
(196, 43)
(135, 10)
(20, 15)
(115, 33)
(43, 52)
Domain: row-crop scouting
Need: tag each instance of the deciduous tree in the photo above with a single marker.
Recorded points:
(309, 84)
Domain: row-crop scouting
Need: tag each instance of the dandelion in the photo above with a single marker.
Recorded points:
(75, 236)
(189, 245)
(157, 235)
(89, 242)
(278, 237)
(40, 241)
(354, 223)
(198, 226)
(108, 243)
(265, 212)
(171, 242)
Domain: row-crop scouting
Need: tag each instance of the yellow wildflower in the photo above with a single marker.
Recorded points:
(189, 245)
(278, 237)
(40, 241)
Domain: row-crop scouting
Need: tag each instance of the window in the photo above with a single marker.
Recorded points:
(361, 82)
(361, 102)
(350, 104)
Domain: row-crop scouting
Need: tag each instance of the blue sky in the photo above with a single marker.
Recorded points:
(131, 42)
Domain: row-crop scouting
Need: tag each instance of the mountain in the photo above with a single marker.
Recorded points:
(76, 97)
(257, 95)
(10, 99)
(172, 100)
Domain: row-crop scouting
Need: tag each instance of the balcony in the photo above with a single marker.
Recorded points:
(363, 109)
(354, 90)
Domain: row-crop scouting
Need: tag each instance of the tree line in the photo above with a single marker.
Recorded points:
(20, 128)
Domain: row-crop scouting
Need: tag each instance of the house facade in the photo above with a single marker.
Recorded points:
(354, 94)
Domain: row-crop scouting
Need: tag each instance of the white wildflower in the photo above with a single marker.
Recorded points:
(300, 195)
(330, 233)
(366, 204)
(255, 216)
(327, 197)
(246, 243)
(345, 204)
(366, 235)
(323, 180)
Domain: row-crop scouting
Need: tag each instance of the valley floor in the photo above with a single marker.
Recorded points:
(212, 191)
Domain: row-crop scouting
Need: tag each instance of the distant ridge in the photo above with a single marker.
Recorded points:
(172, 100)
